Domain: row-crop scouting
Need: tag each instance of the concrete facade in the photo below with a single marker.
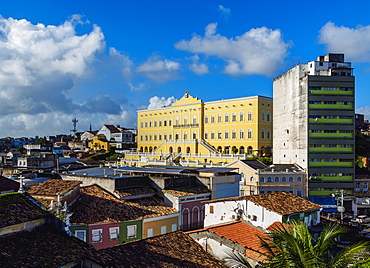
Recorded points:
(314, 122)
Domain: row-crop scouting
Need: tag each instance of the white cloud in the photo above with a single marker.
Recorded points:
(160, 71)
(38, 64)
(225, 11)
(365, 110)
(198, 68)
(354, 42)
(123, 62)
(258, 51)
(157, 102)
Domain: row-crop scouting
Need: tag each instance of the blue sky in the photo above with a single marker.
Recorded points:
(100, 61)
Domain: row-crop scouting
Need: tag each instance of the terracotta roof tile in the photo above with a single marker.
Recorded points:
(45, 246)
(283, 203)
(192, 190)
(243, 234)
(170, 250)
(52, 187)
(135, 191)
(8, 184)
(16, 208)
(276, 226)
(97, 206)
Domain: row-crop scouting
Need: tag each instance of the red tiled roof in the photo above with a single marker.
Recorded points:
(276, 226)
(170, 250)
(96, 205)
(53, 186)
(112, 128)
(242, 234)
(283, 203)
(16, 208)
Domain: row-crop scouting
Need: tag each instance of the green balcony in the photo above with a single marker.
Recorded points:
(335, 121)
(330, 164)
(326, 193)
(331, 92)
(330, 106)
(330, 135)
(334, 150)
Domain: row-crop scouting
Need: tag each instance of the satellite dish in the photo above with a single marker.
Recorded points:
(341, 209)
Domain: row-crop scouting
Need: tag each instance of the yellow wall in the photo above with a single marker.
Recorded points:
(186, 121)
(157, 224)
(98, 144)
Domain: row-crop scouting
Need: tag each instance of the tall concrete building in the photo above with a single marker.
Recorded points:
(314, 117)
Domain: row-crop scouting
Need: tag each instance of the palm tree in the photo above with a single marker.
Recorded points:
(293, 246)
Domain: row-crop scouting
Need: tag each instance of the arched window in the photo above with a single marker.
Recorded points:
(268, 117)
(277, 179)
(150, 123)
(227, 118)
(283, 179)
(155, 123)
(185, 135)
(212, 118)
(165, 122)
(194, 120)
(141, 124)
(176, 136)
(291, 179)
(206, 135)
(241, 134)
(250, 118)
(219, 120)
(241, 116)
(269, 179)
(160, 136)
(226, 134)
(263, 133)
(263, 115)
(194, 135)
(249, 133)
(160, 122)
(241, 150)
(146, 123)
(185, 120)
(206, 119)
(233, 117)
(299, 179)
(169, 122)
(212, 135)
(219, 136)
(250, 150)
(177, 121)
(233, 135)
(268, 134)
(262, 179)
(141, 137)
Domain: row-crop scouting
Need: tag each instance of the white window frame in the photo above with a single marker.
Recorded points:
(83, 232)
(163, 229)
(150, 232)
(113, 233)
(131, 231)
(97, 233)
(174, 227)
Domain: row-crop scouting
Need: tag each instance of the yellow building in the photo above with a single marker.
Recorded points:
(193, 128)
(98, 143)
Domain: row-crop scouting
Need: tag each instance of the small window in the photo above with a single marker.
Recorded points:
(211, 209)
(81, 234)
(277, 179)
(291, 179)
(174, 227)
(150, 232)
(163, 229)
(113, 233)
(283, 179)
(269, 179)
(131, 231)
(262, 179)
(299, 179)
(96, 236)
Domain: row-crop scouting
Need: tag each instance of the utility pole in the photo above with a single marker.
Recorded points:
(74, 130)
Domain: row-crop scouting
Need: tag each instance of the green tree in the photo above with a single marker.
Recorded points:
(295, 247)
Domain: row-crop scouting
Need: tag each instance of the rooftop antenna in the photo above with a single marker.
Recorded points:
(74, 121)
